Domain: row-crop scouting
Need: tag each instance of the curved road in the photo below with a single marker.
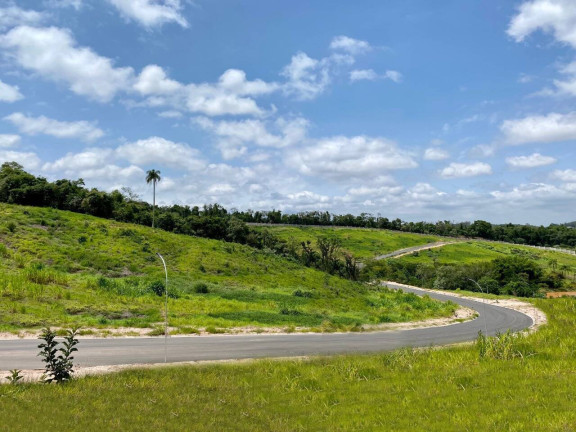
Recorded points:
(21, 354)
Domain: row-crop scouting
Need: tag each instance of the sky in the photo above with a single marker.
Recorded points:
(444, 110)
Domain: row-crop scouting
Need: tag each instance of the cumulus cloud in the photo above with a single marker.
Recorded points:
(531, 161)
(9, 93)
(557, 17)
(568, 175)
(83, 130)
(371, 75)
(13, 16)
(435, 153)
(53, 53)
(28, 160)
(307, 77)
(350, 45)
(341, 157)
(551, 16)
(234, 137)
(232, 94)
(537, 193)
(457, 170)
(151, 13)
(162, 151)
(540, 129)
(8, 140)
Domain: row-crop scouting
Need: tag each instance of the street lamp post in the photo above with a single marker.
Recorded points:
(484, 307)
(165, 310)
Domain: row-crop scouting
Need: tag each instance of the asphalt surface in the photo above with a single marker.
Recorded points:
(21, 354)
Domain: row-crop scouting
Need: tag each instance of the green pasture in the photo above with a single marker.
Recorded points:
(62, 269)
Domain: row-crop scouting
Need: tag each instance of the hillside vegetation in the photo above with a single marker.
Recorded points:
(451, 389)
(360, 242)
(63, 268)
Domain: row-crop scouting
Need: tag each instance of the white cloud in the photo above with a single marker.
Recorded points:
(75, 163)
(13, 16)
(540, 129)
(435, 153)
(170, 114)
(234, 137)
(307, 77)
(28, 160)
(232, 94)
(457, 170)
(537, 193)
(8, 140)
(393, 75)
(371, 75)
(350, 45)
(151, 13)
(363, 74)
(83, 130)
(9, 93)
(568, 175)
(161, 151)
(551, 16)
(341, 157)
(532, 161)
(53, 54)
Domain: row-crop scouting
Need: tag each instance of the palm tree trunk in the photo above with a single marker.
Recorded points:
(153, 201)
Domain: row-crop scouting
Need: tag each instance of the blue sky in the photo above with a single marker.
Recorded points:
(444, 110)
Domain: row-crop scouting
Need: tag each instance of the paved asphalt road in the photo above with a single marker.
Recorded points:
(21, 354)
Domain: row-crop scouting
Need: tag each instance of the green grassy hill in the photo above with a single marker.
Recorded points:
(61, 269)
(478, 251)
(360, 242)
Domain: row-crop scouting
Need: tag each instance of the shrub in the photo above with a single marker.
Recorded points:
(11, 227)
(201, 288)
(300, 293)
(157, 288)
(58, 367)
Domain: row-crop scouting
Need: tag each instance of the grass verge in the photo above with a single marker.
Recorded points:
(451, 389)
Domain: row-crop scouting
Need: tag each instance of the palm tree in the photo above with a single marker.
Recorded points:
(153, 176)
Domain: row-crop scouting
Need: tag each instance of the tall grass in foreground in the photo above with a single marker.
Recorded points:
(450, 389)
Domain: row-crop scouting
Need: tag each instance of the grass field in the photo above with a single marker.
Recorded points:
(478, 251)
(62, 269)
(360, 242)
(450, 389)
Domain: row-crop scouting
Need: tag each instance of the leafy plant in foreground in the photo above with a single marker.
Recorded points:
(14, 376)
(58, 360)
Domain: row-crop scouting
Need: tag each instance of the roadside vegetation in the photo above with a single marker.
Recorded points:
(514, 385)
(62, 268)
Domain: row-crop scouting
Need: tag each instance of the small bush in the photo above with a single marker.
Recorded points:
(157, 288)
(11, 227)
(300, 293)
(14, 376)
(58, 367)
(201, 288)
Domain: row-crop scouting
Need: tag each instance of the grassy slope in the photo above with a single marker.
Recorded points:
(474, 251)
(432, 390)
(361, 242)
(62, 268)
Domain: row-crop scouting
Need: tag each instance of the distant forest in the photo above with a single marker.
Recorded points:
(214, 221)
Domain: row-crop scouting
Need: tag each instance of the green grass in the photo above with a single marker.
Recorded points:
(479, 251)
(62, 269)
(450, 389)
(360, 242)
